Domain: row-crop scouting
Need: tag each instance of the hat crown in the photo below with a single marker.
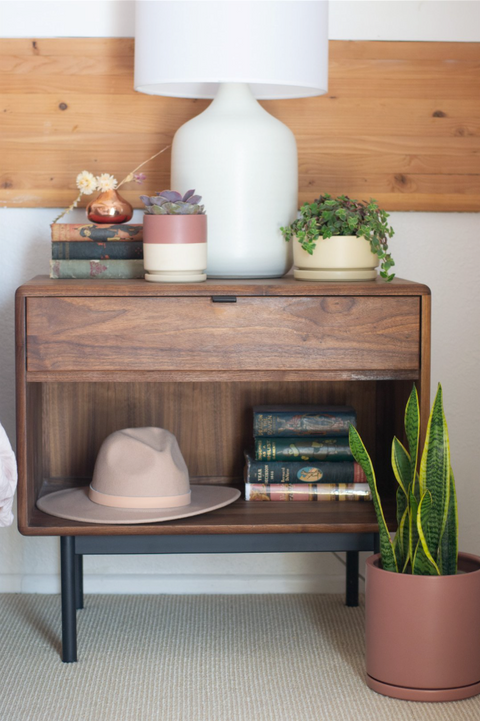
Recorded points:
(139, 463)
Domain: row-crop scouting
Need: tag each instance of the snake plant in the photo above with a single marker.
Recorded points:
(426, 542)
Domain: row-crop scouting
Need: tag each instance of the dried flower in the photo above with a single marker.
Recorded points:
(86, 183)
(106, 182)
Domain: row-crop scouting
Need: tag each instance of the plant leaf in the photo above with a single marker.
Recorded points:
(401, 466)
(435, 476)
(389, 562)
(412, 526)
(171, 195)
(412, 430)
(448, 551)
(424, 563)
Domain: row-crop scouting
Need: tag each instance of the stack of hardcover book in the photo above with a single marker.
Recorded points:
(302, 454)
(97, 251)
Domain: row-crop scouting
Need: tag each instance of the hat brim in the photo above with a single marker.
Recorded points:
(75, 505)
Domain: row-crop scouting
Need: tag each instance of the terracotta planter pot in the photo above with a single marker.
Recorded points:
(423, 632)
(342, 257)
(175, 248)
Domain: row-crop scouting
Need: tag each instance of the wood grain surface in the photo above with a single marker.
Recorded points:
(64, 416)
(400, 122)
(186, 334)
(42, 285)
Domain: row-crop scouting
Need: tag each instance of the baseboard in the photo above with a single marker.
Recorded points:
(177, 584)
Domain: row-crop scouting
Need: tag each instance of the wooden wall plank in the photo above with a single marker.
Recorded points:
(400, 122)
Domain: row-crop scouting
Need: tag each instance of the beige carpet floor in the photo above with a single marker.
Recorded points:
(196, 658)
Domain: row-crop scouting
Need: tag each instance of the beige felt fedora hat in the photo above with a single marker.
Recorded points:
(140, 476)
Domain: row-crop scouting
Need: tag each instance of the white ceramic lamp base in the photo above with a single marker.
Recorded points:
(243, 162)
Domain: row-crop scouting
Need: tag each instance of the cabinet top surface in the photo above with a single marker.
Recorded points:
(41, 285)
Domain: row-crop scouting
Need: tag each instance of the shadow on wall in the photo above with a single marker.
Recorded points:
(25, 253)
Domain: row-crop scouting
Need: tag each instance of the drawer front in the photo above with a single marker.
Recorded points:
(255, 333)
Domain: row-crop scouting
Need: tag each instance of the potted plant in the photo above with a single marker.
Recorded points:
(422, 596)
(174, 237)
(340, 239)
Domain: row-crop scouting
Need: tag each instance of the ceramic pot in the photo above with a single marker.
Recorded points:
(342, 257)
(423, 632)
(109, 207)
(175, 248)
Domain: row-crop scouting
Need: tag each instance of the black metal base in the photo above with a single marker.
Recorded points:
(73, 548)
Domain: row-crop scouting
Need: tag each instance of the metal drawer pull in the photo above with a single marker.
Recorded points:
(224, 298)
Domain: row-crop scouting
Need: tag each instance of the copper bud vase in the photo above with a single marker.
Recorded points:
(109, 207)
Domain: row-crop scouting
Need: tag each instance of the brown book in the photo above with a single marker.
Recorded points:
(97, 232)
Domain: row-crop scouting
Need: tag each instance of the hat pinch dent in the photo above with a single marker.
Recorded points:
(104, 499)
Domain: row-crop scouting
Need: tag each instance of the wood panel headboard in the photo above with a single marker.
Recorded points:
(400, 123)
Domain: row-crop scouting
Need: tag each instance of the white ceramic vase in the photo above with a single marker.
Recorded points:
(175, 248)
(342, 257)
(243, 162)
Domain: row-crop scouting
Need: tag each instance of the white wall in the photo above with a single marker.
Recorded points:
(441, 250)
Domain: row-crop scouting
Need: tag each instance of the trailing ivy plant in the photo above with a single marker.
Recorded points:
(328, 216)
(426, 542)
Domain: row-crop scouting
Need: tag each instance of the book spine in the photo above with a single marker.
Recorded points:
(88, 250)
(83, 269)
(308, 492)
(291, 424)
(302, 449)
(96, 232)
(303, 472)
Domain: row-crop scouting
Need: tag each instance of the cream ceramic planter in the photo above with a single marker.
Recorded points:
(342, 257)
(175, 248)
(423, 632)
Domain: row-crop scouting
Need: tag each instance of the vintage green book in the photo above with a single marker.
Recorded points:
(303, 449)
(302, 471)
(302, 420)
(94, 269)
(93, 250)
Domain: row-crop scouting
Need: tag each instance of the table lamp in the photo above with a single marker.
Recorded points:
(238, 157)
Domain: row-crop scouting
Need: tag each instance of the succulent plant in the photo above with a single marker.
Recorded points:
(169, 202)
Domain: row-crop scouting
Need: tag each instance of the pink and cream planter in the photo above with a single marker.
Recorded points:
(175, 248)
(423, 632)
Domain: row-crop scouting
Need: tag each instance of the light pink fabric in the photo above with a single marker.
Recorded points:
(8, 479)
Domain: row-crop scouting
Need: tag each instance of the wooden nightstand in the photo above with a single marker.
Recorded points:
(97, 356)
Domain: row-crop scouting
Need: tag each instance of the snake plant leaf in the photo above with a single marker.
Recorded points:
(424, 562)
(401, 541)
(389, 561)
(448, 551)
(412, 430)
(412, 524)
(435, 477)
(401, 466)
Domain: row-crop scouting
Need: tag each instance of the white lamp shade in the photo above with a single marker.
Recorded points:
(185, 49)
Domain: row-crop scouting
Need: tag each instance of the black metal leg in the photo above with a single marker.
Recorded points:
(78, 581)
(352, 578)
(69, 620)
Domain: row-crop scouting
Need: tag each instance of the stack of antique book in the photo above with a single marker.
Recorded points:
(302, 454)
(97, 251)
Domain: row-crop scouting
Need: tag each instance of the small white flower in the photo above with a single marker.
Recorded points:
(86, 182)
(106, 182)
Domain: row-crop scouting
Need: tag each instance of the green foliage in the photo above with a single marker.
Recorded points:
(426, 542)
(328, 216)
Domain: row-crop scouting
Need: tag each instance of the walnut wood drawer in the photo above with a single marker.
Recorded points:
(184, 334)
